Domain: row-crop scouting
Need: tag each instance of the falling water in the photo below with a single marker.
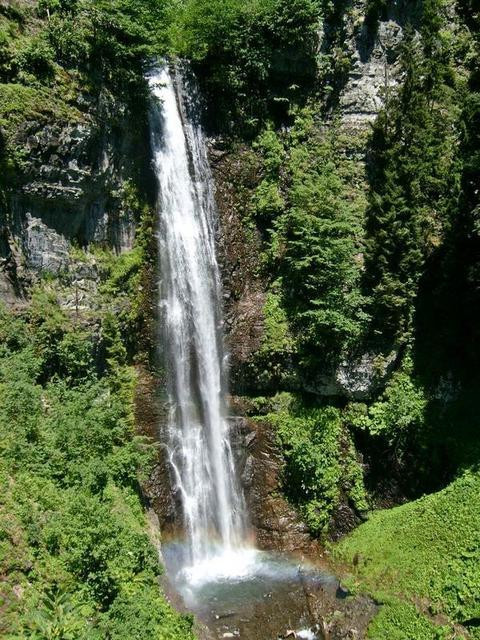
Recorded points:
(198, 444)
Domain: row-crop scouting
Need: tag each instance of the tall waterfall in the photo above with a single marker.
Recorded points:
(198, 443)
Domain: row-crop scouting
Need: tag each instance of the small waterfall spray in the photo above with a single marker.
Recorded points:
(198, 444)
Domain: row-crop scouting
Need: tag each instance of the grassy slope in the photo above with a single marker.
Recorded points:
(426, 553)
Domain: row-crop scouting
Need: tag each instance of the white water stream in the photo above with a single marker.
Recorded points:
(198, 443)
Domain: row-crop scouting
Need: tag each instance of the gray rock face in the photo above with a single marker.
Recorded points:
(70, 189)
(372, 48)
(357, 379)
(373, 74)
(44, 249)
(58, 162)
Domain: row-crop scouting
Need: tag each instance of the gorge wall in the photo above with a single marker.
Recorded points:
(344, 144)
(75, 188)
(362, 70)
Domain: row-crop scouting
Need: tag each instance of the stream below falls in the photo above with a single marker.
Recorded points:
(251, 594)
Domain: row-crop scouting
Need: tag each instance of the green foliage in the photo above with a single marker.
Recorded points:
(19, 103)
(56, 617)
(399, 620)
(272, 364)
(146, 614)
(427, 548)
(415, 175)
(456, 295)
(335, 61)
(72, 529)
(268, 201)
(272, 151)
(313, 230)
(400, 409)
(122, 272)
(36, 57)
(56, 49)
(50, 7)
(276, 336)
(249, 54)
(112, 40)
(61, 349)
(122, 293)
(321, 467)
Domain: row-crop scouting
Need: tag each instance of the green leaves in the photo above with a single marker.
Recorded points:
(320, 230)
(248, 54)
(398, 413)
(73, 536)
(321, 467)
(426, 550)
(36, 58)
(414, 176)
(57, 617)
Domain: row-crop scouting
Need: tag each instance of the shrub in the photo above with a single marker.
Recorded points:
(319, 470)
(36, 57)
(249, 54)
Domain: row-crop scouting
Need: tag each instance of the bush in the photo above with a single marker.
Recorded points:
(36, 57)
(248, 54)
(312, 228)
(321, 467)
(400, 409)
(73, 534)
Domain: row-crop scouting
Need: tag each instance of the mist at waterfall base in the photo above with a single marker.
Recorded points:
(214, 567)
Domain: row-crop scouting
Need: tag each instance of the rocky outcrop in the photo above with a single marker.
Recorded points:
(71, 189)
(356, 379)
(275, 523)
(235, 175)
(373, 72)
(371, 51)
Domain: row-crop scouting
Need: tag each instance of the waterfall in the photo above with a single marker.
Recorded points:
(198, 444)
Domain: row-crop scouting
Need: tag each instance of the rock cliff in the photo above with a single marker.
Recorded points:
(72, 189)
(369, 48)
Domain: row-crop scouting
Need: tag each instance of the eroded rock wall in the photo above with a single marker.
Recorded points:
(71, 188)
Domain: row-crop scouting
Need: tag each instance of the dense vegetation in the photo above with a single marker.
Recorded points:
(76, 558)
(383, 263)
(375, 260)
(252, 57)
(425, 549)
(313, 230)
(321, 467)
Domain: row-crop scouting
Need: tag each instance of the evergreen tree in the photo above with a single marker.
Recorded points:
(414, 173)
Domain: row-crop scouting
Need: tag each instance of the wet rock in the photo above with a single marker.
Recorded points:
(239, 255)
(342, 592)
(343, 520)
(276, 524)
(151, 420)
